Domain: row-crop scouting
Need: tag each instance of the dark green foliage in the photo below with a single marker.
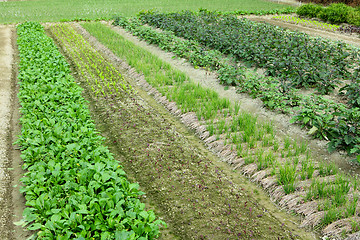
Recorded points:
(352, 90)
(352, 3)
(309, 10)
(336, 13)
(331, 121)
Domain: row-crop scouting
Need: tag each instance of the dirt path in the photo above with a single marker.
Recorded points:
(287, 2)
(11, 200)
(352, 40)
(6, 60)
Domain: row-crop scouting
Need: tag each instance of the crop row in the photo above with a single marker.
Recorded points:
(308, 22)
(254, 143)
(73, 186)
(328, 119)
(296, 58)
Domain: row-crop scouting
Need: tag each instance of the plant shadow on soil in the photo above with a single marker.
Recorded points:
(197, 195)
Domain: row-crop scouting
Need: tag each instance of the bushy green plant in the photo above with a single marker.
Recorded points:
(309, 10)
(336, 13)
(353, 17)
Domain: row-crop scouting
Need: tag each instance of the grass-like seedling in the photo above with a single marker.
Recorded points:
(355, 226)
(287, 142)
(236, 108)
(252, 142)
(307, 169)
(265, 160)
(210, 127)
(249, 159)
(275, 145)
(260, 159)
(326, 169)
(331, 215)
(286, 176)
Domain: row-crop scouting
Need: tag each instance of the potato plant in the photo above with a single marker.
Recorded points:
(301, 60)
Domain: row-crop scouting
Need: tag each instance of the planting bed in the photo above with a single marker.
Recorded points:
(190, 190)
(323, 69)
(74, 188)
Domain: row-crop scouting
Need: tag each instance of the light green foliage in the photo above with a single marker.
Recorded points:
(307, 22)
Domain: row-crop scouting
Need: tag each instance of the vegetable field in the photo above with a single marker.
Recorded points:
(116, 141)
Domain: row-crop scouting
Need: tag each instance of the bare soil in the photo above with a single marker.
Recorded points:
(11, 200)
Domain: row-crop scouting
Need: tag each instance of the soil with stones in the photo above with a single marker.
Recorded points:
(11, 200)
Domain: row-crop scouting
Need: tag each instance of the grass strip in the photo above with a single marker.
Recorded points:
(66, 10)
(74, 188)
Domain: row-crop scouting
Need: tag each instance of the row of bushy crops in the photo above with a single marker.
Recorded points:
(74, 188)
(292, 60)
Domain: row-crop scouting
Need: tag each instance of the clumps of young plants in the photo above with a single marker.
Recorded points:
(74, 188)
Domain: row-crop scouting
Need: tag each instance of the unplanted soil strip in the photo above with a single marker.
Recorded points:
(6, 60)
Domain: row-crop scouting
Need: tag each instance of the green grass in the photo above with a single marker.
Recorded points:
(57, 10)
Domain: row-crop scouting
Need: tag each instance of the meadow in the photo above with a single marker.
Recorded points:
(57, 10)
